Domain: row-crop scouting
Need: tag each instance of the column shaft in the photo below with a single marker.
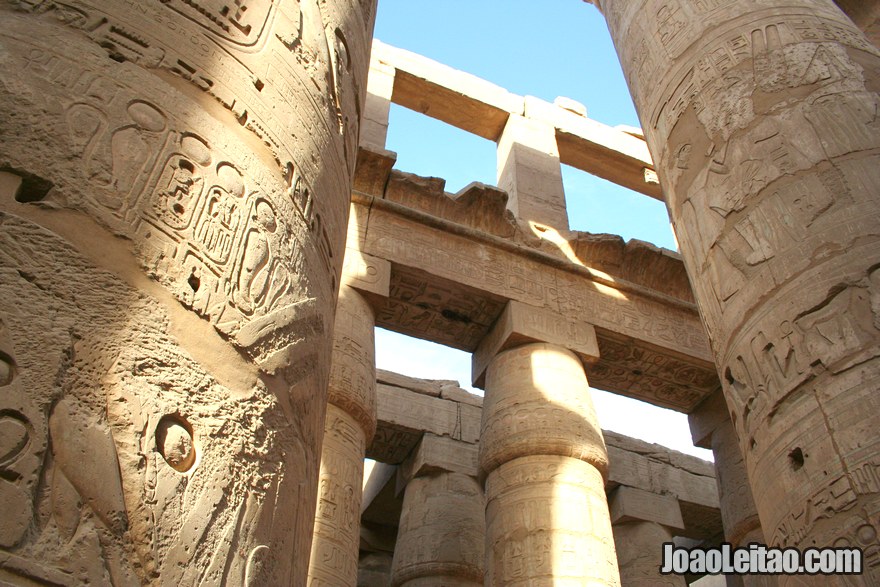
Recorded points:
(639, 546)
(441, 533)
(761, 116)
(174, 187)
(544, 458)
(349, 427)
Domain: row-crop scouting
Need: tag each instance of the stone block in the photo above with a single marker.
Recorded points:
(440, 453)
(520, 323)
(366, 273)
(628, 504)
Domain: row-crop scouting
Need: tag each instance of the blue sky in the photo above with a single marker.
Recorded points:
(544, 49)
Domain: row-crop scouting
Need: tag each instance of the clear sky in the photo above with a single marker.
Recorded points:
(544, 49)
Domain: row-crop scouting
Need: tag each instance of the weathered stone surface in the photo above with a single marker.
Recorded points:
(866, 15)
(405, 415)
(377, 107)
(441, 534)
(433, 387)
(374, 570)
(476, 205)
(170, 257)
(440, 453)
(765, 138)
(367, 274)
(639, 546)
(596, 148)
(457, 98)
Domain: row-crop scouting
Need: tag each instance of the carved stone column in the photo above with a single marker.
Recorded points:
(761, 118)
(441, 532)
(174, 188)
(711, 428)
(543, 457)
(642, 521)
(348, 429)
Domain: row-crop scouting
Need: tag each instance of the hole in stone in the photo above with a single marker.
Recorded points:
(33, 188)
(636, 372)
(796, 458)
(455, 316)
(194, 282)
(728, 375)
(258, 83)
(7, 369)
(112, 52)
(174, 441)
(242, 120)
(752, 444)
(178, 209)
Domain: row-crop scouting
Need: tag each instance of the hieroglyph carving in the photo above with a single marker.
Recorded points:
(168, 298)
(765, 130)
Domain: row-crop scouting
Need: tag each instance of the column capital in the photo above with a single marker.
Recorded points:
(353, 364)
(538, 403)
(521, 323)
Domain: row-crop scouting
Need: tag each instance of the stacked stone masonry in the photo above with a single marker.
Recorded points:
(192, 191)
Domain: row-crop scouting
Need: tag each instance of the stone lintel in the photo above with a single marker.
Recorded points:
(597, 148)
(404, 415)
(366, 273)
(636, 470)
(629, 504)
(706, 418)
(457, 98)
(521, 323)
(482, 108)
(432, 387)
(439, 453)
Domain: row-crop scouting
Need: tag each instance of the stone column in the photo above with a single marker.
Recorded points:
(711, 428)
(441, 532)
(542, 455)
(348, 429)
(761, 117)
(174, 188)
(530, 173)
(642, 521)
